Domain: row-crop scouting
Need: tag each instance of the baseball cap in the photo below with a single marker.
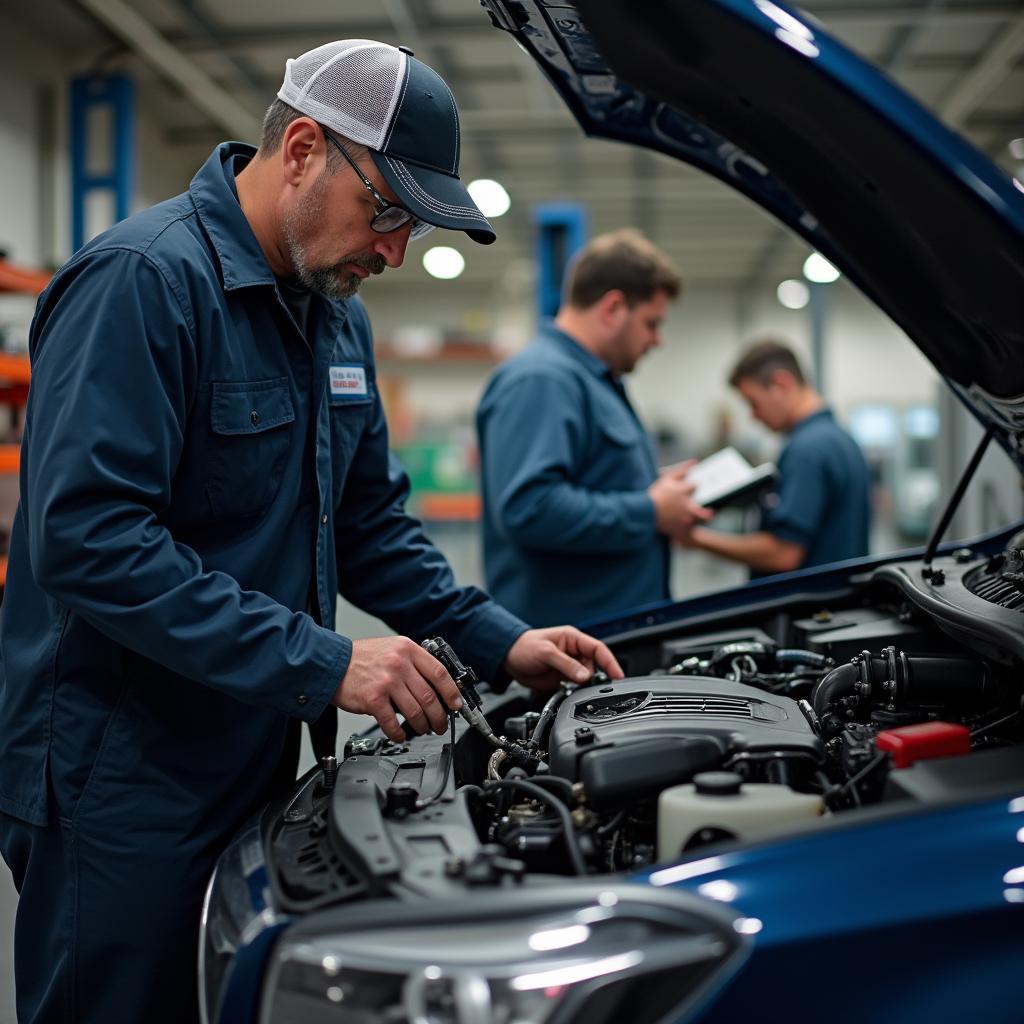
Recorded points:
(382, 97)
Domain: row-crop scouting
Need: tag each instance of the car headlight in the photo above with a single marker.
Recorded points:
(236, 918)
(544, 956)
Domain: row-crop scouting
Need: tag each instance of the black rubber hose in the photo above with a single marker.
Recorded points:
(919, 679)
(549, 800)
(794, 656)
(838, 682)
(554, 782)
(547, 713)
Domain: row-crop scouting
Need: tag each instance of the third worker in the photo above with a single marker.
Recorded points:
(822, 509)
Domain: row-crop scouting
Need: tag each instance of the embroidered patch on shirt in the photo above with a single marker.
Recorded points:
(348, 382)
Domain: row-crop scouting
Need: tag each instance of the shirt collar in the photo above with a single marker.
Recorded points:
(825, 413)
(549, 331)
(215, 196)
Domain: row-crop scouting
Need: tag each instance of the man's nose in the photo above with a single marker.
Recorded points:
(392, 246)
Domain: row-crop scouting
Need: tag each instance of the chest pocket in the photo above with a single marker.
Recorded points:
(250, 436)
(620, 459)
(620, 431)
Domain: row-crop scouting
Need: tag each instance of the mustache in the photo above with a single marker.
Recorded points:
(374, 264)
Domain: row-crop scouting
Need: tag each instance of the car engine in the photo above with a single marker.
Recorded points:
(903, 687)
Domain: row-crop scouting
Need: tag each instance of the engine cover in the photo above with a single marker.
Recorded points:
(650, 710)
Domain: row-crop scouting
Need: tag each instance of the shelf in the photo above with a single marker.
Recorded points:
(21, 279)
(10, 459)
(482, 355)
(449, 507)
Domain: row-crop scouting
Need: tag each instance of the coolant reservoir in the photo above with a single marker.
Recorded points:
(722, 801)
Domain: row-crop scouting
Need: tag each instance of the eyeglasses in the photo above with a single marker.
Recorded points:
(389, 216)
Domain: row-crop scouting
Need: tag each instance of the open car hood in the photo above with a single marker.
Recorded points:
(758, 95)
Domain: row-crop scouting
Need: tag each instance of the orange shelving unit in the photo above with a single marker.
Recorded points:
(14, 382)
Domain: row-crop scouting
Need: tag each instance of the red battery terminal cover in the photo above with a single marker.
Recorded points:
(912, 743)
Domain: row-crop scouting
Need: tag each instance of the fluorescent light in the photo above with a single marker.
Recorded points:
(793, 294)
(819, 270)
(444, 262)
(490, 196)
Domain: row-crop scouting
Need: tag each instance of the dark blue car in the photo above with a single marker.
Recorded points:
(806, 801)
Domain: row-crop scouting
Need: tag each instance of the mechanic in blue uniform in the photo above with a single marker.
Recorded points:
(205, 467)
(822, 509)
(576, 517)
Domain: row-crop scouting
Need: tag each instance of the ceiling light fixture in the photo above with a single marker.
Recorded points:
(793, 294)
(444, 262)
(819, 270)
(490, 196)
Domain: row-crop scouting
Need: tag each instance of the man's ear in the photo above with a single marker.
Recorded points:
(784, 380)
(612, 305)
(301, 146)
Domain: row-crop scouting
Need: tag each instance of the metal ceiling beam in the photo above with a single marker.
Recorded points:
(208, 28)
(994, 64)
(210, 97)
(892, 17)
(476, 29)
(295, 33)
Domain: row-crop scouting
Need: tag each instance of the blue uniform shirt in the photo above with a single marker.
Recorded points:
(824, 493)
(568, 527)
(200, 478)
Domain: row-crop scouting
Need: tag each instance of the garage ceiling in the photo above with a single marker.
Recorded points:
(210, 70)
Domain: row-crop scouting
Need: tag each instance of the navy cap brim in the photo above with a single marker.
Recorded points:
(435, 197)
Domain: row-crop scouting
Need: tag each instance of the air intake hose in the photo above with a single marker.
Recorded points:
(910, 678)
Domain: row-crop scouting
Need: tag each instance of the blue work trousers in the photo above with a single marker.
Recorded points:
(106, 932)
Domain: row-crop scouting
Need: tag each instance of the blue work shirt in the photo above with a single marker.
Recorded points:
(568, 530)
(199, 481)
(823, 499)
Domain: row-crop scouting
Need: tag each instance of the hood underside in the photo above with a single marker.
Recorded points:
(758, 96)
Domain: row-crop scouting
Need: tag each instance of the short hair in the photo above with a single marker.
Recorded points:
(762, 359)
(275, 123)
(622, 260)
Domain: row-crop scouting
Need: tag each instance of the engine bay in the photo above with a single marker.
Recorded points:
(901, 689)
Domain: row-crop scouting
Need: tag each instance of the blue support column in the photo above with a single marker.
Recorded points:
(112, 171)
(562, 229)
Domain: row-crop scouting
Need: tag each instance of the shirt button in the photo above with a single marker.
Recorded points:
(302, 699)
(254, 417)
(323, 519)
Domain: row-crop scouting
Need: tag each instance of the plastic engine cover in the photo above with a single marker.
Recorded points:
(657, 708)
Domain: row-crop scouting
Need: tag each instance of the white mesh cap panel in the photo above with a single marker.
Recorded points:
(351, 86)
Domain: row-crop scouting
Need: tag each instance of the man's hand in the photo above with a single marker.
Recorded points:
(542, 658)
(389, 673)
(675, 511)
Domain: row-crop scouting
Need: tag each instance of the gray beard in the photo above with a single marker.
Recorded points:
(331, 281)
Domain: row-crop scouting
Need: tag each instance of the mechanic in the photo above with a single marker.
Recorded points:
(205, 467)
(577, 518)
(822, 509)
